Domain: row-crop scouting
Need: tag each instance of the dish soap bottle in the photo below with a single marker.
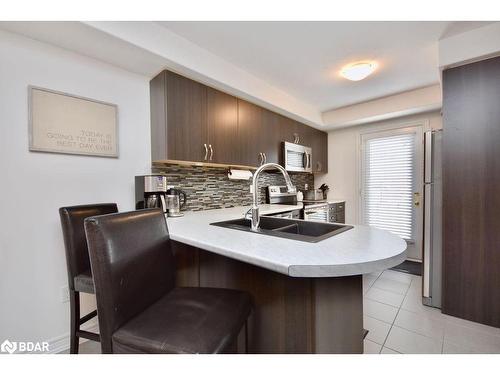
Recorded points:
(300, 196)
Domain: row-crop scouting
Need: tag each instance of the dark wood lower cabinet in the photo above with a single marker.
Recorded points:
(471, 192)
(292, 315)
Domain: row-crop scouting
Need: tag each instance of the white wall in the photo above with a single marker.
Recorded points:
(34, 185)
(343, 158)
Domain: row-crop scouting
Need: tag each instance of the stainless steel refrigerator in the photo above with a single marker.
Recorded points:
(432, 255)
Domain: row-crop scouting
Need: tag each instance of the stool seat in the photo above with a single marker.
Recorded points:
(84, 282)
(186, 320)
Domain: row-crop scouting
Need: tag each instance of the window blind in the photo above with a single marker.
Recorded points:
(388, 184)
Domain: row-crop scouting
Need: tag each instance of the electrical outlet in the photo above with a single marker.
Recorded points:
(64, 294)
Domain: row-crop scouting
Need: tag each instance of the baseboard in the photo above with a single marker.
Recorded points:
(61, 343)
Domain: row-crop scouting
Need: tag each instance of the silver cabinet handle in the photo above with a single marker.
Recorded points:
(211, 152)
(296, 138)
(261, 158)
(265, 157)
(206, 151)
(309, 157)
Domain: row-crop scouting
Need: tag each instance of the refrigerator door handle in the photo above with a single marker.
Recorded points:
(428, 139)
(427, 215)
(427, 241)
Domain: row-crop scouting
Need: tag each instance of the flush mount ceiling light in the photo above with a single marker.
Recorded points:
(358, 70)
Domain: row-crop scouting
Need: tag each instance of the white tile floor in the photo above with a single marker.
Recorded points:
(399, 323)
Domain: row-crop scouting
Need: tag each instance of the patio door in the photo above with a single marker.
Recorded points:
(392, 182)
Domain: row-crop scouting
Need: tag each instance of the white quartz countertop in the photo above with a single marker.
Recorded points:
(359, 250)
(332, 201)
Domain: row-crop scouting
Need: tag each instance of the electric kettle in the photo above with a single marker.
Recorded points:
(175, 199)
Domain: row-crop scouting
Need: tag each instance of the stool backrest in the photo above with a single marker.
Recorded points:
(75, 242)
(132, 265)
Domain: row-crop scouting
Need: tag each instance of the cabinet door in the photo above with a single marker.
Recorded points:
(273, 128)
(252, 136)
(319, 144)
(186, 118)
(471, 186)
(157, 92)
(306, 134)
(289, 129)
(222, 118)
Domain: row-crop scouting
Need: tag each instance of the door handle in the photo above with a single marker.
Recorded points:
(211, 152)
(416, 199)
(261, 158)
(206, 151)
(265, 157)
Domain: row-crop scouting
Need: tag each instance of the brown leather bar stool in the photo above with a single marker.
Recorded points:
(140, 309)
(78, 264)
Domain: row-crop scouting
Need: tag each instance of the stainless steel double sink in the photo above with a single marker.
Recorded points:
(299, 230)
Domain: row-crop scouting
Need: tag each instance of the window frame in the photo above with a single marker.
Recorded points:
(415, 128)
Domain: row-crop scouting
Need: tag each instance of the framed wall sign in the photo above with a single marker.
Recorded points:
(69, 124)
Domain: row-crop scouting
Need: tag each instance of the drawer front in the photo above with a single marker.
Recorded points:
(337, 207)
(337, 218)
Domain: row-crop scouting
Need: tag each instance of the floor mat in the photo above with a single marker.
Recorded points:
(409, 266)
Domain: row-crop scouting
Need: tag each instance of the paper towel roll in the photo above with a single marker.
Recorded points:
(238, 174)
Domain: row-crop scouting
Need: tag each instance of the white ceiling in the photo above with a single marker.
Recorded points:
(288, 67)
(303, 58)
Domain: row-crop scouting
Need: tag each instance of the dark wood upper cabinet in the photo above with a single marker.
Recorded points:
(305, 133)
(181, 103)
(251, 133)
(158, 111)
(288, 128)
(471, 192)
(194, 122)
(273, 126)
(319, 144)
(186, 118)
(222, 121)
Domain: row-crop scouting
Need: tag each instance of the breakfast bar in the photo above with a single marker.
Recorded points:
(308, 296)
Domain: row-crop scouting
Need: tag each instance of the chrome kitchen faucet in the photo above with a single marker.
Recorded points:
(255, 205)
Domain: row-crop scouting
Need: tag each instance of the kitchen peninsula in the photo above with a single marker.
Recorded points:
(308, 296)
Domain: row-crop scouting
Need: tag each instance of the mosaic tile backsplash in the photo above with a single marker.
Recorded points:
(209, 187)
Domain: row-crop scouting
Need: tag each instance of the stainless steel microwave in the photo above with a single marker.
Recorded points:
(297, 158)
